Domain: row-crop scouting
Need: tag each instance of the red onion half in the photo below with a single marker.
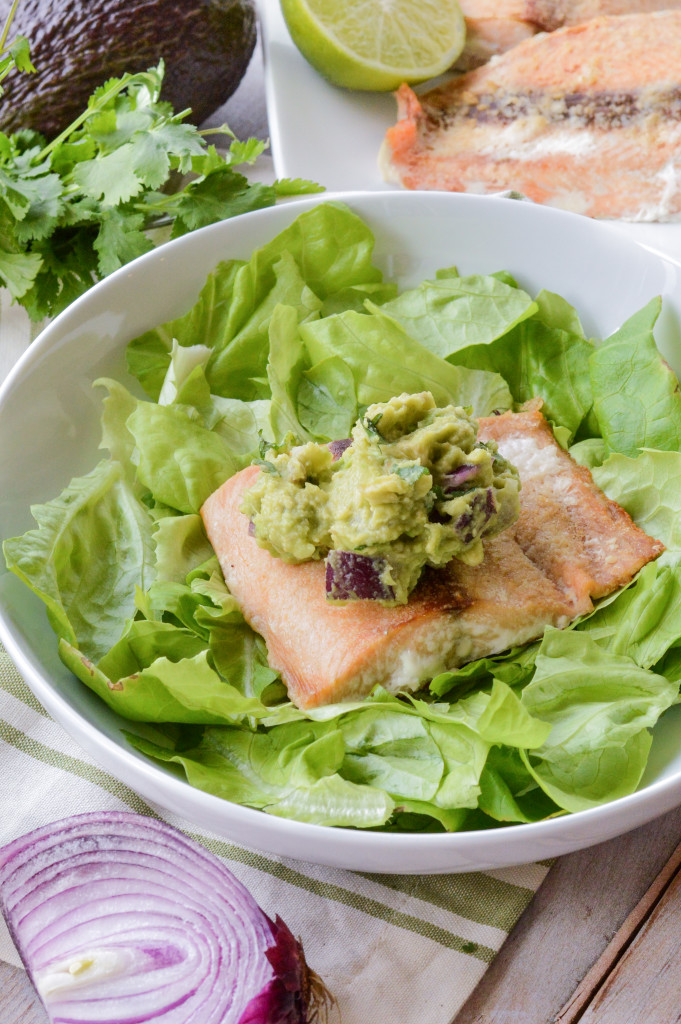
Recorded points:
(120, 919)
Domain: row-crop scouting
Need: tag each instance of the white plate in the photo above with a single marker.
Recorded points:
(333, 135)
(49, 432)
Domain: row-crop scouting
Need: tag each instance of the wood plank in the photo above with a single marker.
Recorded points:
(583, 902)
(609, 961)
(644, 983)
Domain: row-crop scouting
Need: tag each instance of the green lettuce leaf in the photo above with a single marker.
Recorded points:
(291, 772)
(452, 313)
(385, 361)
(240, 357)
(649, 488)
(540, 361)
(93, 546)
(636, 394)
(555, 311)
(287, 360)
(601, 707)
(645, 619)
(181, 545)
(591, 452)
(327, 403)
(148, 356)
(180, 461)
(189, 690)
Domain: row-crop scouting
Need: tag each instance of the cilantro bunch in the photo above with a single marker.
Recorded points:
(76, 208)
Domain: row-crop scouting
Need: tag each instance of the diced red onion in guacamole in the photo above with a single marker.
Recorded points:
(459, 477)
(338, 448)
(354, 577)
(482, 507)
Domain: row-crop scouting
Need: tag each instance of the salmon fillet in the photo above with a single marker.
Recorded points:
(586, 118)
(494, 26)
(570, 544)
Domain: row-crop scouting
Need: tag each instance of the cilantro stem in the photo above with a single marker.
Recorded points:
(222, 129)
(102, 100)
(10, 18)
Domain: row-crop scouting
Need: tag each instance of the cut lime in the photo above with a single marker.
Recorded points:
(377, 44)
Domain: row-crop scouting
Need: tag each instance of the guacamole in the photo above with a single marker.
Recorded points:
(412, 487)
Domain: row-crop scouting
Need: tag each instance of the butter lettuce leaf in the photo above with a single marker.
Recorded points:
(92, 547)
(649, 488)
(148, 356)
(287, 360)
(451, 313)
(645, 619)
(636, 394)
(180, 461)
(291, 772)
(386, 361)
(555, 311)
(188, 691)
(327, 402)
(541, 361)
(181, 545)
(601, 708)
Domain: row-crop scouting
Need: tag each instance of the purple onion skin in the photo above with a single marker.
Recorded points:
(283, 1000)
(458, 477)
(338, 448)
(52, 870)
(354, 577)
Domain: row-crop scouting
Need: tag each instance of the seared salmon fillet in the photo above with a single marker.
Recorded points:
(585, 543)
(494, 26)
(586, 118)
(570, 543)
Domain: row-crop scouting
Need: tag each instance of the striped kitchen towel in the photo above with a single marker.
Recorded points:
(406, 949)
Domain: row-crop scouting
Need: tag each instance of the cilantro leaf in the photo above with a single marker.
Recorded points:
(111, 178)
(245, 152)
(222, 193)
(20, 54)
(119, 240)
(410, 474)
(18, 271)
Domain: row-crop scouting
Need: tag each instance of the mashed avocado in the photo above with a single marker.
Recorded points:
(413, 487)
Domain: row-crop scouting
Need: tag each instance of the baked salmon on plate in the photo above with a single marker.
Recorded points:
(494, 26)
(586, 118)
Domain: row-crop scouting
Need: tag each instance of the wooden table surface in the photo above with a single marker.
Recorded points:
(601, 941)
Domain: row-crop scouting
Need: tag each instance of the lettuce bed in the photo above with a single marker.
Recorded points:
(300, 338)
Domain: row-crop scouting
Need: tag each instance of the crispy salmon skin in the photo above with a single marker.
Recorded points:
(586, 118)
(570, 544)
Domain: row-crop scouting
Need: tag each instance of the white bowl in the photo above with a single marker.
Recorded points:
(49, 432)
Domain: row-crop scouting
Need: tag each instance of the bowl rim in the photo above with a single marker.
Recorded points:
(663, 793)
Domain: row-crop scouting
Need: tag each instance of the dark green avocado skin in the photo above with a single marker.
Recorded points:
(77, 44)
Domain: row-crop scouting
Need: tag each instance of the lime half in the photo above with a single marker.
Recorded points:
(376, 44)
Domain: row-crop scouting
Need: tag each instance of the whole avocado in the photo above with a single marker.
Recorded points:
(76, 45)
